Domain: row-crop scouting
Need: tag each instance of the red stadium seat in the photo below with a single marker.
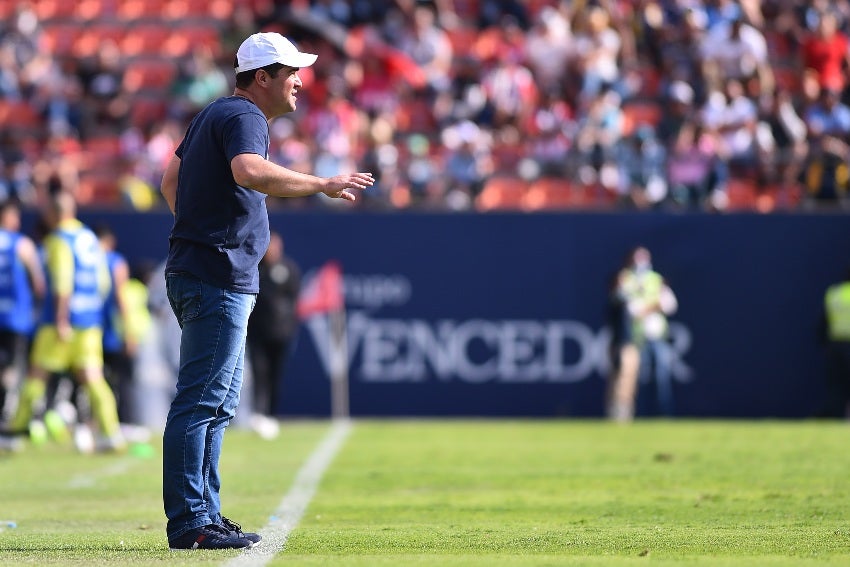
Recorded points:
(554, 193)
(92, 38)
(742, 194)
(58, 38)
(100, 152)
(7, 8)
(18, 114)
(91, 10)
(501, 192)
(149, 75)
(639, 113)
(184, 39)
(130, 10)
(54, 9)
(98, 187)
(147, 110)
(186, 9)
(145, 39)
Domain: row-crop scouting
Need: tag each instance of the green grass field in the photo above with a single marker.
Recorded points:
(469, 493)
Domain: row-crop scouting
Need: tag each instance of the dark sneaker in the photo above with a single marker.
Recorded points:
(236, 530)
(211, 536)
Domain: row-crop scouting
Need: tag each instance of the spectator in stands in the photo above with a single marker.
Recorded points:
(10, 88)
(678, 110)
(552, 134)
(828, 126)
(200, 82)
(695, 173)
(510, 87)
(600, 131)
(782, 139)
(733, 49)
(549, 48)
(429, 47)
(731, 117)
(641, 176)
(826, 52)
(598, 48)
(107, 104)
(16, 181)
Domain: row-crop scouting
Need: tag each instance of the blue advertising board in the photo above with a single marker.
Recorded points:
(504, 314)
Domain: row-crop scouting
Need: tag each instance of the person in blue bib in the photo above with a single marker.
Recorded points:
(216, 185)
(21, 287)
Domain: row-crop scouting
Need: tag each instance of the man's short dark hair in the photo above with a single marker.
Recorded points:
(245, 78)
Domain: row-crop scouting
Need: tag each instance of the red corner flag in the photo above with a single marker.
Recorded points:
(323, 293)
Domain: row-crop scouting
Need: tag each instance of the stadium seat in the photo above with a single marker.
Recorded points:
(100, 152)
(18, 114)
(7, 8)
(54, 9)
(58, 38)
(185, 9)
(147, 110)
(787, 77)
(149, 75)
(501, 192)
(93, 37)
(92, 10)
(741, 194)
(462, 39)
(639, 113)
(220, 9)
(145, 39)
(98, 188)
(131, 10)
(554, 193)
(184, 39)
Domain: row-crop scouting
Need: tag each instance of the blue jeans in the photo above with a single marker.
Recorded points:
(656, 359)
(212, 355)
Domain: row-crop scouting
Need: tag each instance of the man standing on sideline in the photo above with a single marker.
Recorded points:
(70, 336)
(650, 300)
(271, 328)
(837, 331)
(216, 185)
(21, 285)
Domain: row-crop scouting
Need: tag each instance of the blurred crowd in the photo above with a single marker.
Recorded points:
(644, 104)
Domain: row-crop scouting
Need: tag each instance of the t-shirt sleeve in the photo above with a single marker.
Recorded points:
(246, 133)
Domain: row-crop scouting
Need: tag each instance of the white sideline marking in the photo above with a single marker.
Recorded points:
(294, 504)
(88, 480)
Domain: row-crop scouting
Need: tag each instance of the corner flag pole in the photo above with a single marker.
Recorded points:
(339, 364)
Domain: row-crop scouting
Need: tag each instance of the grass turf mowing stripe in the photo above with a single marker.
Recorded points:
(90, 479)
(293, 505)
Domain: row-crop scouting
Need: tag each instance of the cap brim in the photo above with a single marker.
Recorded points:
(296, 60)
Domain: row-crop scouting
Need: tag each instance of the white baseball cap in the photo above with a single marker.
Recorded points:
(265, 48)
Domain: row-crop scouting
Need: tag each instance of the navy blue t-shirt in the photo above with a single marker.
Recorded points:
(221, 229)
